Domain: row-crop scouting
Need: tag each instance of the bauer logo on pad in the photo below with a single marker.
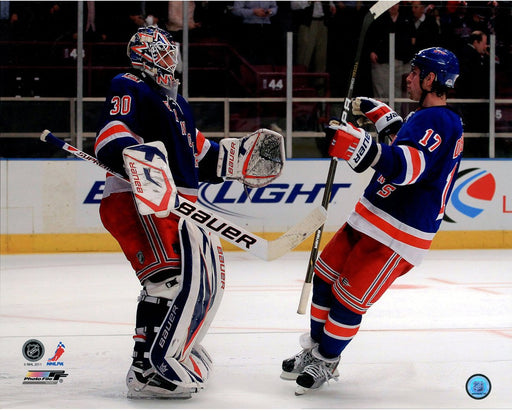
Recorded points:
(151, 179)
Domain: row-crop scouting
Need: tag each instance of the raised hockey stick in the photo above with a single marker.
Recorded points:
(375, 11)
(204, 218)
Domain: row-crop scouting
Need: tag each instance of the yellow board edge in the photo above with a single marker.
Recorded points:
(104, 242)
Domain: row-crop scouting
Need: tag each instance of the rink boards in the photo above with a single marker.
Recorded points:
(52, 205)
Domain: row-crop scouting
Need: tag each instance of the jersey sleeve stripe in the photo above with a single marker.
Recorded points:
(188, 193)
(203, 145)
(415, 165)
(114, 130)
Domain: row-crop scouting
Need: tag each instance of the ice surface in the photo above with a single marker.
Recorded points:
(444, 321)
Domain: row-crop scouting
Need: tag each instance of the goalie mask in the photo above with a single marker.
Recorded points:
(153, 51)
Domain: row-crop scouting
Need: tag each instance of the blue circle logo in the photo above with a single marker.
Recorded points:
(478, 386)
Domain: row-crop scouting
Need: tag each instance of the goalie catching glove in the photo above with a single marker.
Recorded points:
(387, 121)
(255, 160)
(354, 145)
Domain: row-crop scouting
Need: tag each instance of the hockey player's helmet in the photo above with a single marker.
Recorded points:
(153, 51)
(443, 63)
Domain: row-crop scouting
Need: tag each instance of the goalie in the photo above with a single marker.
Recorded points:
(147, 133)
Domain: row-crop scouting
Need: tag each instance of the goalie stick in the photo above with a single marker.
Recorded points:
(375, 11)
(204, 218)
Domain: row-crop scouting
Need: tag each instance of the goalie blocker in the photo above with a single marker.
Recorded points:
(151, 179)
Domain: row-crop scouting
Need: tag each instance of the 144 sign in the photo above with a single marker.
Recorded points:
(274, 84)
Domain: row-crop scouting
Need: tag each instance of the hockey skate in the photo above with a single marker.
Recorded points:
(318, 372)
(149, 385)
(294, 366)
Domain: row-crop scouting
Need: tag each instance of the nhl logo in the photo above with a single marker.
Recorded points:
(33, 350)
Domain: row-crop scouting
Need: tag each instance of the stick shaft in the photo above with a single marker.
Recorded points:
(188, 210)
(306, 288)
(375, 11)
(215, 224)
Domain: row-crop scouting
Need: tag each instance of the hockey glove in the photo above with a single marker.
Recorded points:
(386, 120)
(151, 179)
(255, 160)
(354, 145)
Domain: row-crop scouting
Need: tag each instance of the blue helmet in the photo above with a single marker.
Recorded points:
(153, 51)
(443, 63)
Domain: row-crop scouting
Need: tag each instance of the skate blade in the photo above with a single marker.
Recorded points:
(289, 376)
(301, 390)
(292, 376)
(141, 395)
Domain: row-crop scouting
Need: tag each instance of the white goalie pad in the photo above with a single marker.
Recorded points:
(151, 179)
(255, 160)
(176, 352)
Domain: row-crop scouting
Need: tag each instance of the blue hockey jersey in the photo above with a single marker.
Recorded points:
(136, 111)
(404, 203)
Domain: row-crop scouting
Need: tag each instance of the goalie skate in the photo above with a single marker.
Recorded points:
(149, 385)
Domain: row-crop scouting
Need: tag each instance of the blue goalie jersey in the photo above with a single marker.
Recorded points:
(136, 112)
(404, 203)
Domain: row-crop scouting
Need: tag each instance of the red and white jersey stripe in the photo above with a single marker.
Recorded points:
(409, 242)
(112, 131)
(415, 166)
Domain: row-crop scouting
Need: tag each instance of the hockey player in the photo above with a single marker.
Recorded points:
(147, 133)
(394, 222)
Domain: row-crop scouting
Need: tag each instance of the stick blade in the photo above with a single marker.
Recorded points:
(44, 135)
(381, 6)
(297, 234)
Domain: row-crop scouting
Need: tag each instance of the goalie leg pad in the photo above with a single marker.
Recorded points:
(176, 353)
(143, 380)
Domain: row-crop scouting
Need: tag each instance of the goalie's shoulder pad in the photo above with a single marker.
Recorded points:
(255, 160)
(151, 179)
